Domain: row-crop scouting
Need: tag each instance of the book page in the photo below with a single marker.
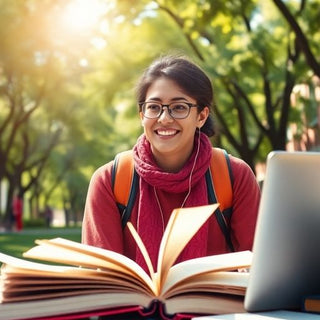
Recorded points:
(64, 251)
(206, 304)
(228, 282)
(185, 271)
(20, 263)
(71, 305)
(182, 226)
(23, 280)
(142, 248)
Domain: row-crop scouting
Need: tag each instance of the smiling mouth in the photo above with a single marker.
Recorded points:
(166, 133)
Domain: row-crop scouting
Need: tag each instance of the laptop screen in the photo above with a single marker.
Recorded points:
(286, 250)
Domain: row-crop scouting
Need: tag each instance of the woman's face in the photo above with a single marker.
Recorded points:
(171, 138)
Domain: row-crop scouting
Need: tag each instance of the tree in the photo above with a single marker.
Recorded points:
(39, 97)
(254, 63)
(67, 100)
(309, 12)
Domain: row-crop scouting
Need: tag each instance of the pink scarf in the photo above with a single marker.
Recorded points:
(149, 215)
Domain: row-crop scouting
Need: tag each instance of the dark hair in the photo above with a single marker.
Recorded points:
(191, 78)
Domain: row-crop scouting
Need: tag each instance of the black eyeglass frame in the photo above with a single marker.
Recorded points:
(189, 104)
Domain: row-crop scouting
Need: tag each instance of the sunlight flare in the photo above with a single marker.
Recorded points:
(83, 15)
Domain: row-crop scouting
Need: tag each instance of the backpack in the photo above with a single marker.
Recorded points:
(219, 180)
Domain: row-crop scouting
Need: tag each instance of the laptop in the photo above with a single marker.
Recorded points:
(286, 250)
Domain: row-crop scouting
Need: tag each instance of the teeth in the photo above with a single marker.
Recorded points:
(166, 132)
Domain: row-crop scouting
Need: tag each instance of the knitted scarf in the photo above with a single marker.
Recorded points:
(149, 225)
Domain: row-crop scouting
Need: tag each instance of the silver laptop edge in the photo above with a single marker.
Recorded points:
(286, 251)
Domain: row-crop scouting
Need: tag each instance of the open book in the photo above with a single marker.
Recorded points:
(95, 281)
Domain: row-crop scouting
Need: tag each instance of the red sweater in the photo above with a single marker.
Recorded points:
(102, 224)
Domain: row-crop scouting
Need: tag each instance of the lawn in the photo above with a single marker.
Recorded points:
(15, 243)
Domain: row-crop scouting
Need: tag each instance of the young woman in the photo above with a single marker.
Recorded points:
(171, 157)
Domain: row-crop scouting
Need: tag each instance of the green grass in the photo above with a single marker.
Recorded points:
(15, 243)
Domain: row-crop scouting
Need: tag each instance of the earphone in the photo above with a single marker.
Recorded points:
(191, 172)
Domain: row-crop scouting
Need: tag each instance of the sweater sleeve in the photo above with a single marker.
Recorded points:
(101, 225)
(246, 199)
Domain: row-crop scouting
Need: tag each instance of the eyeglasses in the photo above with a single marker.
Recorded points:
(177, 110)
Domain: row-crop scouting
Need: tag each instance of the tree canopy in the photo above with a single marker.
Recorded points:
(68, 71)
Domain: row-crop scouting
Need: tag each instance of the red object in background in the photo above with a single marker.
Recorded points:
(17, 207)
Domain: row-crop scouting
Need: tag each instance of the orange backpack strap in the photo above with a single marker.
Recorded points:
(125, 183)
(222, 178)
(219, 180)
